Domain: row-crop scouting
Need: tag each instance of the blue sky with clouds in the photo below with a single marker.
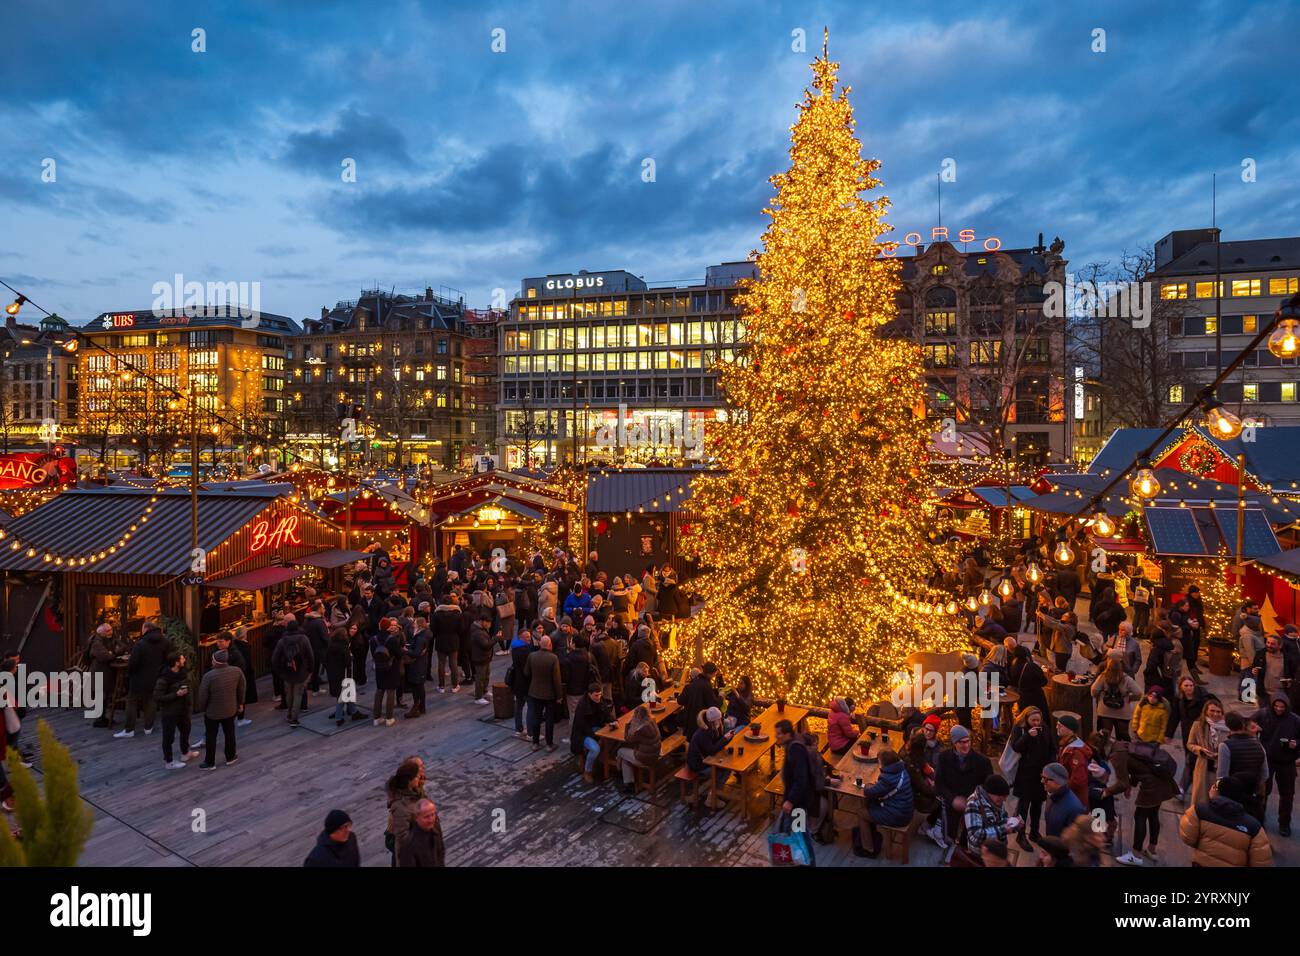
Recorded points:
(475, 168)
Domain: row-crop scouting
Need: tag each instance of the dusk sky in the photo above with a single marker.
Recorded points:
(476, 168)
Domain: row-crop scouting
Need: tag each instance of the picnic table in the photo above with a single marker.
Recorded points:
(611, 737)
(741, 756)
(850, 768)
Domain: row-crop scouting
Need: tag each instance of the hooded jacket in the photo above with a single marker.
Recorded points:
(146, 663)
(548, 595)
(1075, 757)
(890, 797)
(1149, 721)
(448, 623)
(293, 660)
(1274, 729)
(329, 853)
(1221, 833)
(841, 732)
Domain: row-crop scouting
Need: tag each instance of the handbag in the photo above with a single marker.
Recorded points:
(1009, 762)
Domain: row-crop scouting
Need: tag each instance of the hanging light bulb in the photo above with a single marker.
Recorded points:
(1102, 525)
(971, 603)
(1144, 483)
(986, 597)
(1284, 342)
(13, 307)
(1221, 423)
(1063, 554)
(952, 607)
(1034, 573)
(1006, 588)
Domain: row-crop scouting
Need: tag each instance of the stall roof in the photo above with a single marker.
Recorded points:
(997, 497)
(1270, 455)
(331, 558)
(255, 580)
(505, 504)
(621, 491)
(1285, 564)
(85, 521)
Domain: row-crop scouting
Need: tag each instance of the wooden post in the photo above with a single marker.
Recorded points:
(1241, 517)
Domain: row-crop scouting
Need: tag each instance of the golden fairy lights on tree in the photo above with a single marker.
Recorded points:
(813, 539)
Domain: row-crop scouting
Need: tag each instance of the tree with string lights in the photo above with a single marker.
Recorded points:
(817, 566)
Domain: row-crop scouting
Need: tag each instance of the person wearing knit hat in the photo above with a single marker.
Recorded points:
(986, 815)
(958, 772)
(958, 734)
(1074, 755)
(1062, 805)
(1070, 722)
(336, 846)
(932, 721)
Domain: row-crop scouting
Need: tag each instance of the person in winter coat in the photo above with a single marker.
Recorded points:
(424, 845)
(548, 598)
(520, 648)
(709, 738)
(338, 668)
(1184, 710)
(171, 693)
(1242, 757)
(448, 623)
(1062, 807)
(403, 793)
(386, 678)
(699, 694)
(886, 803)
(294, 663)
(740, 703)
(1203, 741)
(1074, 755)
(640, 748)
(1029, 680)
(313, 625)
(482, 646)
(841, 732)
(958, 771)
(649, 590)
(1060, 636)
(146, 663)
(545, 691)
(620, 599)
(1030, 739)
(1279, 732)
(921, 776)
(1163, 660)
(1113, 696)
(221, 694)
(415, 652)
(591, 714)
(1221, 833)
(1125, 646)
(1276, 670)
(1153, 788)
(101, 651)
(506, 613)
(1150, 717)
(986, 814)
(337, 844)
(580, 672)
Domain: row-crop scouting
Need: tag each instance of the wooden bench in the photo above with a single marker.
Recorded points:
(689, 778)
(898, 840)
(647, 778)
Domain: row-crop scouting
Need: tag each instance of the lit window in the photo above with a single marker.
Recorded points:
(1245, 287)
(1175, 394)
(938, 270)
(1249, 324)
(1282, 286)
(1205, 290)
(1211, 324)
(1173, 290)
(1250, 392)
(1288, 391)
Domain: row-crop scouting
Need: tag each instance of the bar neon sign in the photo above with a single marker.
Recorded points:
(286, 532)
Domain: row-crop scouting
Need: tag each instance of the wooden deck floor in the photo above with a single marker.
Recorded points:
(501, 804)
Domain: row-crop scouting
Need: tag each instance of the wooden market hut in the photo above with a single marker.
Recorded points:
(639, 516)
(123, 555)
(497, 509)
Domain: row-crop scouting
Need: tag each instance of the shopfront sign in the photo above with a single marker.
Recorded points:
(284, 532)
(36, 470)
(575, 282)
(941, 234)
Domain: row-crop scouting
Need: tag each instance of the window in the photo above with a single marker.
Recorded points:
(1245, 287)
(1211, 324)
(135, 341)
(985, 351)
(1173, 290)
(1283, 286)
(938, 270)
(1288, 391)
(1249, 324)
(1250, 392)
(273, 363)
(442, 345)
(166, 360)
(441, 375)
(940, 356)
(1205, 290)
(940, 323)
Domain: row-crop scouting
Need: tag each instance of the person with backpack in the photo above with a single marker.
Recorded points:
(294, 663)
(1113, 695)
(1164, 660)
(886, 803)
(1155, 784)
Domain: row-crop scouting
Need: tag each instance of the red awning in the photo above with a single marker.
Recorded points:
(255, 580)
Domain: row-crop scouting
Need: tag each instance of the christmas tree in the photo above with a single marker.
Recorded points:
(813, 539)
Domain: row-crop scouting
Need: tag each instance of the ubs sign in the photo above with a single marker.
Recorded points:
(574, 282)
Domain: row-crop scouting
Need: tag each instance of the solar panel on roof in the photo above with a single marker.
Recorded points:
(1258, 538)
(1173, 531)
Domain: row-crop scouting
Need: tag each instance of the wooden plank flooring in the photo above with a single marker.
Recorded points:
(268, 808)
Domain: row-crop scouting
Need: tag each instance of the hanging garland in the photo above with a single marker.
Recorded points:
(1198, 459)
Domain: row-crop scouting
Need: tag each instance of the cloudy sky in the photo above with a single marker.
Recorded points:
(475, 168)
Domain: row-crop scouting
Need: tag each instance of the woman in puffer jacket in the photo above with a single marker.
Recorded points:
(548, 595)
(841, 732)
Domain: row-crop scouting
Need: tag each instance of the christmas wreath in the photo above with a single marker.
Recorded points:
(1198, 459)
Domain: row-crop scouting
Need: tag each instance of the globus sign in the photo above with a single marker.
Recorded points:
(940, 234)
(36, 470)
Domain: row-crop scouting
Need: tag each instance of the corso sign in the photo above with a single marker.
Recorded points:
(575, 282)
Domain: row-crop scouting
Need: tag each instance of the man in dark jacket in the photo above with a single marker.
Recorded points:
(313, 625)
(1279, 732)
(545, 689)
(592, 713)
(644, 649)
(423, 845)
(1276, 671)
(416, 654)
(520, 648)
(221, 694)
(482, 646)
(142, 672)
(958, 771)
(103, 648)
(1062, 807)
(294, 662)
(172, 695)
(448, 625)
(697, 696)
(797, 781)
(337, 844)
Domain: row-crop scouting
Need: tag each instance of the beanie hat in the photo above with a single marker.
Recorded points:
(932, 721)
(1157, 690)
(970, 660)
(1057, 772)
(996, 785)
(335, 819)
(959, 733)
(1069, 722)
(712, 714)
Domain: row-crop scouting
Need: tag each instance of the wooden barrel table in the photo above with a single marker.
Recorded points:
(1074, 698)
